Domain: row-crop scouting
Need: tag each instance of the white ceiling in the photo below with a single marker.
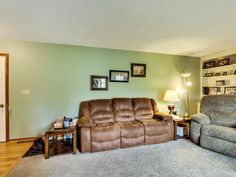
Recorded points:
(182, 27)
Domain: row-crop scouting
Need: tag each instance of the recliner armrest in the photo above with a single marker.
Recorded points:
(163, 116)
(201, 118)
(85, 122)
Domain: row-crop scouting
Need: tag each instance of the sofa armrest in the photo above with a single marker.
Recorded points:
(201, 118)
(163, 116)
(85, 122)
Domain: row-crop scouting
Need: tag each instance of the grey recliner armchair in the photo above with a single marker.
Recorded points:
(215, 127)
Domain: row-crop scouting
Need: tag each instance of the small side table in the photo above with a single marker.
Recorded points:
(185, 122)
(55, 132)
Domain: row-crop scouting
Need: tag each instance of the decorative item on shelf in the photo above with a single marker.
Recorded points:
(58, 124)
(209, 64)
(98, 82)
(188, 83)
(66, 122)
(209, 74)
(230, 90)
(138, 70)
(217, 74)
(171, 96)
(235, 72)
(223, 62)
(220, 82)
(205, 90)
(211, 90)
(225, 73)
(74, 122)
(118, 76)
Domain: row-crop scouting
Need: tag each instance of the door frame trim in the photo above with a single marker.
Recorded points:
(6, 92)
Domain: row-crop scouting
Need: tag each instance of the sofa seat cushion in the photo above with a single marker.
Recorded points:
(155, 127)
(105, 132)
(131, 129)
(225, 133)
(132, 134)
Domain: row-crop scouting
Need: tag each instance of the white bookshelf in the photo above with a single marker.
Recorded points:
(229, 79)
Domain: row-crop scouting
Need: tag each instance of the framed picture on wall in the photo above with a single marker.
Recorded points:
(138, 70)
(118, 76)
(98, 82)
(230, 90)
(223, 62)
(211, 90)
(209, 64)
(220, 82)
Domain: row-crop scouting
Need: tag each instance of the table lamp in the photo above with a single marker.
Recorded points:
(171, 96)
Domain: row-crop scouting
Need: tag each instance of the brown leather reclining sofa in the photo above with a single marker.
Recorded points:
(107, 124)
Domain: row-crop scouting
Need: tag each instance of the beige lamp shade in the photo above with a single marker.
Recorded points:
(171, 96)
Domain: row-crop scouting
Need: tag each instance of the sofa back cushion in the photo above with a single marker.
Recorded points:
(101, 111)
(220, 109)
(123, 109)
(223, 118)
(142, 108)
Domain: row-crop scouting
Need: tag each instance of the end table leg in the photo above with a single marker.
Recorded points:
(74, 141)
(175, 130)
(46, 155)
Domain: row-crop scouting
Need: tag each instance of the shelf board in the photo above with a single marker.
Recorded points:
(218, 85)
(223, 76)
(220, 67)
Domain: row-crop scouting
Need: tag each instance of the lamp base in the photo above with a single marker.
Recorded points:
(171, 108)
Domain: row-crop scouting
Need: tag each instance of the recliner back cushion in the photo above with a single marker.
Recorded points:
(223, 118)
(222, 103)
(101, 111)
(142, 108)
(220, 109)
(123, 109)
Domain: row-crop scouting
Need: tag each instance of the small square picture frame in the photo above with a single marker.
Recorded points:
(98, 83)
(220, 83)
(138, 70)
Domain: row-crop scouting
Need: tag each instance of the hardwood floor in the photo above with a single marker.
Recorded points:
(10, 153)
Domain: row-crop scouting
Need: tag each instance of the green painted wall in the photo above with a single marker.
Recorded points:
(58, 77)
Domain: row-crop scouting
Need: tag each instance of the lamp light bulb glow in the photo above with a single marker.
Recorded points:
(188, 83)
(180, 90)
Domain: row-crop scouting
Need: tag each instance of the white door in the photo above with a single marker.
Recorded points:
(2, 98)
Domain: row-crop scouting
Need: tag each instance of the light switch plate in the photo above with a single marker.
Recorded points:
(25, 92)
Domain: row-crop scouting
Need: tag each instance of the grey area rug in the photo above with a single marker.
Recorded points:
(180, 158)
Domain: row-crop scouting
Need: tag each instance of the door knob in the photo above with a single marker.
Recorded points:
(1, 105)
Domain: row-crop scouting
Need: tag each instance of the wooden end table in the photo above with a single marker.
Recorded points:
(184, 122)
(55, 132)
